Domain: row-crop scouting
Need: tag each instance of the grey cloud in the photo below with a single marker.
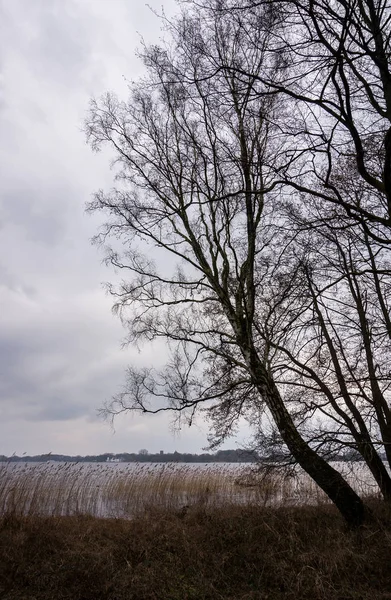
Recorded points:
(12, 376)
(61, 43)
(42, 224)
(58, 409)
(54, 36)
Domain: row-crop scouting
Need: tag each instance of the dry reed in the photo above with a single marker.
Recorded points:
(127, 490)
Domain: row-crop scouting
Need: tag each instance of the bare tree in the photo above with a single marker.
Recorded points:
(328, 325)
(337, 83)
(195, 151)
(336, 154)
(338, 86)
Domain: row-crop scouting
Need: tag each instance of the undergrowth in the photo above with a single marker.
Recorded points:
(231, 553)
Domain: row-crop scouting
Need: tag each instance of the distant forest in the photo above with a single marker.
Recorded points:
(223, 456)
(144, 456)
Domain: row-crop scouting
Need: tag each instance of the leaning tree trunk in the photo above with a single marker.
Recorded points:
(377, 468)
(328, 479)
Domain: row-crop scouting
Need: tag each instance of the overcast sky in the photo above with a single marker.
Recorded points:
(60, 346)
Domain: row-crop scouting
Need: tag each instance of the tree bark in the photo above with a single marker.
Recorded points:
(378, 470)
(328, 479)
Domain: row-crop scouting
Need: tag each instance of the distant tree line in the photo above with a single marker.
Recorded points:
(222, 456)
(234, 456)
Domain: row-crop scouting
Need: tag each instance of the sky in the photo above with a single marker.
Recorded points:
(60, 345)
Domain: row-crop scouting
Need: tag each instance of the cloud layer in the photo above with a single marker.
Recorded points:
(60, 355)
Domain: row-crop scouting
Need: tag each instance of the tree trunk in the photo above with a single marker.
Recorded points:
(328, 479)
(378, 470)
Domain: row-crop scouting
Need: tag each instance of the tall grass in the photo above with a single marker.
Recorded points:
(230, 553)
(205, 532)
(128, 490)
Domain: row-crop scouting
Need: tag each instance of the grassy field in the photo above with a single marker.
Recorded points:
(235, 553)
(193, 534)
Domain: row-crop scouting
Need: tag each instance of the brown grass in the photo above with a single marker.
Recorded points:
(235, 553)
(196, 534)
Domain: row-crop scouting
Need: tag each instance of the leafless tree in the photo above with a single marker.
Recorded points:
(337, 82)
(331, 337)
(196, 149)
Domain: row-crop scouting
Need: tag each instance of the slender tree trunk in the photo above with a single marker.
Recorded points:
(378, 470)
(329, 480)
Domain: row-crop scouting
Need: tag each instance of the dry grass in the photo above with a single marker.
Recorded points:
(235, 553)
(128, 490)
(196, 534)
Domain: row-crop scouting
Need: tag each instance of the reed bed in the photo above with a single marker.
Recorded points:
(64, 489)
(130, 489)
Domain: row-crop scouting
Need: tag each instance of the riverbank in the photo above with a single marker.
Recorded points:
(236, 553)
